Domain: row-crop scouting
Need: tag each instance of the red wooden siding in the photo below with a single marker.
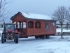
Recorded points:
(42, 30)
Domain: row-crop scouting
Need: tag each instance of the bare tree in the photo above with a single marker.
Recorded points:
(3, 5)
(68, 15)
(60, 14)
(67, 25)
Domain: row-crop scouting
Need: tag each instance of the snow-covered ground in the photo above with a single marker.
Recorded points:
(64, 30)
(31, 45)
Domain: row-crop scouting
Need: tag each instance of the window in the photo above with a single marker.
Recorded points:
(46, 25)
(9, 26)
(14, 22)
(30, 24)
(53, 24)
(19, 24)
(24, 24)
(37, 25)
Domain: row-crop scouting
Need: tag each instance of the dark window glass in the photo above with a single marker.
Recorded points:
(30, 24)
(37, 25)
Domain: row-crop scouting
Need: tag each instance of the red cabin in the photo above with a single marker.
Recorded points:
(29, 24)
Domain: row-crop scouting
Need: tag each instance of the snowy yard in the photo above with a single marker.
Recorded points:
(31, 45)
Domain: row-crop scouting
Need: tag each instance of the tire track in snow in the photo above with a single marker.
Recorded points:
(4, 46)
(10, 48)
(26, 46)
(20, 45)
(7, 44)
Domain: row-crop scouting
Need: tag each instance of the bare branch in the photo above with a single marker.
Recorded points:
(61, 14)
(68, 15)
(3, 7)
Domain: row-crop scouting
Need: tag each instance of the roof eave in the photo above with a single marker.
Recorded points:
(39, 19)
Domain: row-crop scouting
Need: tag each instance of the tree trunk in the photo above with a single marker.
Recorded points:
(67, 27)
(61, 31)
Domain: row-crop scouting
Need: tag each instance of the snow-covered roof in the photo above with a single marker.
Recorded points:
(36, 16)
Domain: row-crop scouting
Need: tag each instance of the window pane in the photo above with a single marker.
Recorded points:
(37, 24)
(18, 24)
(9, 26)
(24, 24)
(53, 23)
(46, 25)
(30, 24)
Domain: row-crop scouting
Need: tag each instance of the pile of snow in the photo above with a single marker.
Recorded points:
(36, 16)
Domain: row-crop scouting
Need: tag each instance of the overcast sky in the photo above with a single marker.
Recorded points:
(36, 6)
